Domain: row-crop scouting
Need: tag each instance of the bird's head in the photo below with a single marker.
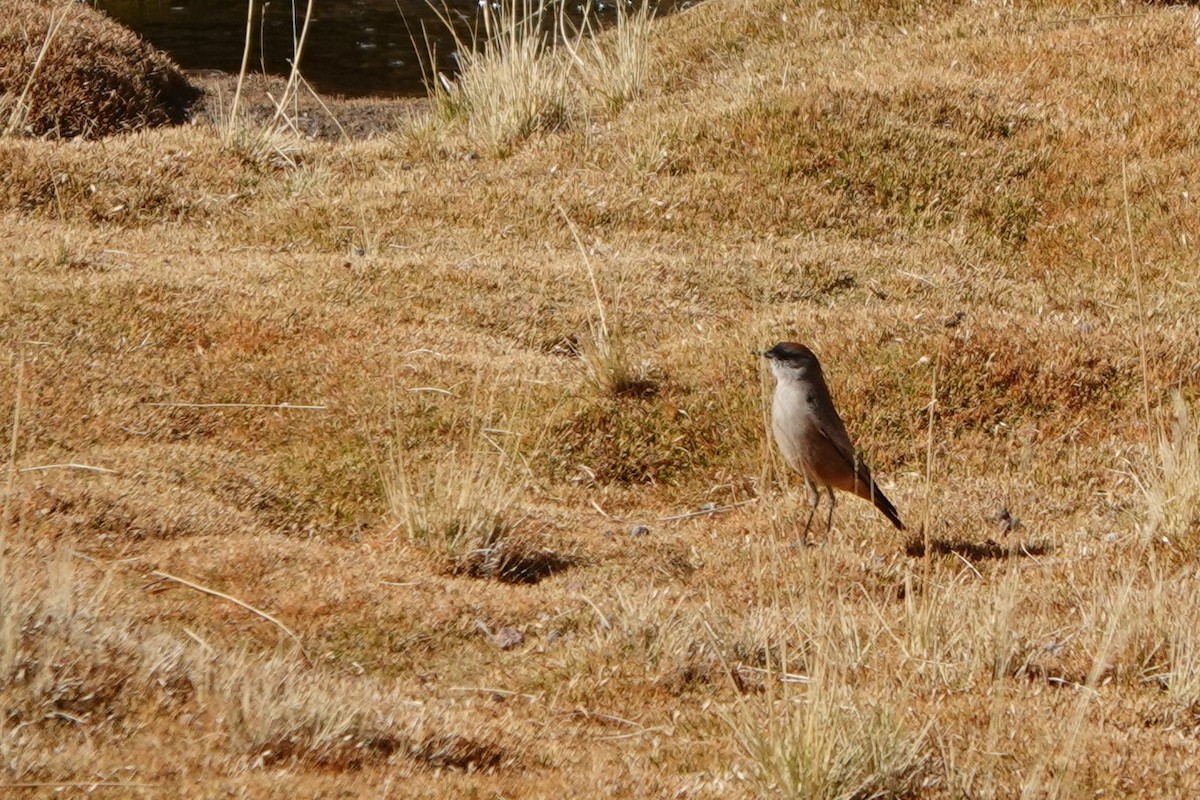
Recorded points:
(791, 360)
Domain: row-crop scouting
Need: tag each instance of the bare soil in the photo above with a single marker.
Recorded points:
(311, 115)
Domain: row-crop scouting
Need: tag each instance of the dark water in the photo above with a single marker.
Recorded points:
(354, 47)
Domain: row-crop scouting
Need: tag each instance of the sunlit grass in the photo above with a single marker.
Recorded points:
(533, 70)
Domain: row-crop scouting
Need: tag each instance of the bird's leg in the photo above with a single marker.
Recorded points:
(832, 503)
(814, 499)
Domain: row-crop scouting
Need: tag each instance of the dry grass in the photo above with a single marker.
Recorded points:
(613, 67)
(73, 666)
(528, 69)
(509, 86)
(557, 585)
(824, 746)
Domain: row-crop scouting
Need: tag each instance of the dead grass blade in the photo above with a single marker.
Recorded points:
(230, 598)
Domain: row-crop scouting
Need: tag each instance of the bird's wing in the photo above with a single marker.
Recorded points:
(832, 428)
(839, 442)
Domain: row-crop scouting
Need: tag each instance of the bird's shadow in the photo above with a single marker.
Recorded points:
(977, 551)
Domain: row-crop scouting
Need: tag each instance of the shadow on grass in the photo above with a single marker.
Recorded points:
(978, 551)
(359, 749)
(513, 563)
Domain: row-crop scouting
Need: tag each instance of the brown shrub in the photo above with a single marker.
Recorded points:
(94, 79)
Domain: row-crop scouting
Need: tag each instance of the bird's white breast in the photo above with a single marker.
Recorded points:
(791, 421)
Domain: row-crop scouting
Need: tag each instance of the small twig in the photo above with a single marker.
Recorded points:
(970, 566)
(917, 278)
(85, 467)
(195, 637)
(234, 600)
(324, 107)
(604, 623)
(10, 485)
(1141, 307)
(1031, 556)
(289, 406)
(396, 583)
(708, 511)
(604, 330)
(612, 737)
(100, 562)
(586, 714)
(68, 784)
(602, 512)
(489, 690)
(785, 677)
(1092, 18)
(433, 389)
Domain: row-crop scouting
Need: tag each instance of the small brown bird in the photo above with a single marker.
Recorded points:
(812, 437)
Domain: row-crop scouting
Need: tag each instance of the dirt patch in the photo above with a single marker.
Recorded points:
(310, 115)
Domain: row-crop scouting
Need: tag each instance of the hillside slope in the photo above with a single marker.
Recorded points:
(438, 421)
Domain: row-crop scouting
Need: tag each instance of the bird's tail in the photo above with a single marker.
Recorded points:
(869, 490)
(885, 506)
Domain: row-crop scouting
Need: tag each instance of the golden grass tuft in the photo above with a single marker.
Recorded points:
(530, 70)
(824, 745)
(468, 505)
(507, 87)
(613, 65)
(1172, 486)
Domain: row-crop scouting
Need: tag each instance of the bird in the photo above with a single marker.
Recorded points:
(812, 437)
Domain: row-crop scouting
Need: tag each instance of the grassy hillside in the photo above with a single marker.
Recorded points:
(368, 467)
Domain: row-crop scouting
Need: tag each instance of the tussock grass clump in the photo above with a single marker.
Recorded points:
(1172, 486)
(531, 70)
(59, 654)
(824, 745)
(1171, 492)
(611, 370)
(613, 66)
(508, 87)
(276, 711)
(66, 70)
(466, 505)
(604, 350)
(1183, 650)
